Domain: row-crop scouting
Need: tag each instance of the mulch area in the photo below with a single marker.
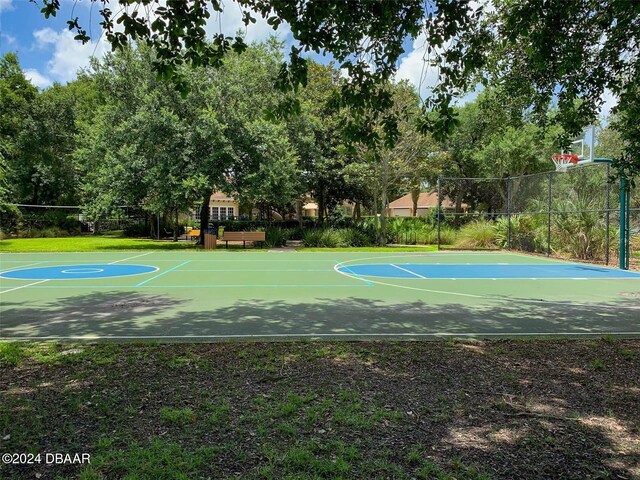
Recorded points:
(508, 409)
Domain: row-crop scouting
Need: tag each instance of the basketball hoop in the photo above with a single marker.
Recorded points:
(564, 160)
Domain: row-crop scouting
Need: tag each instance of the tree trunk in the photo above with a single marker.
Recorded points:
(375, 212)
(154, 225)
(204, 217)
(458, 219)
(299, 212)
(383, 219)
(321, 204)
(175, 228)
(36, 197)
(356, 211)
(415, 195)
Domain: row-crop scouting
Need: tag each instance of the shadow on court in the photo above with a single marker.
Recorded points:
(135, 314)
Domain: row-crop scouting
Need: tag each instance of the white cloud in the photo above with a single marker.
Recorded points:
(610, 101)
(415, 67)
(230, 21)
(46, 36)
(36, 78)
(69, 55)
(7, 40)
(5, 5)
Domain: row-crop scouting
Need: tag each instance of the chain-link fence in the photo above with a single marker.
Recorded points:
(572, 215)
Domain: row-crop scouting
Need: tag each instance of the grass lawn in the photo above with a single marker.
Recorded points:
(425, 410)
(101, 243)
(88, 244)
(426, 248)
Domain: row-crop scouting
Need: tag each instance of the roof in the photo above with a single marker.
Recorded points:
(425, 200)
(222, 197)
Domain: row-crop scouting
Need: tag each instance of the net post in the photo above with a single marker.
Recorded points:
(549, 200)
(438, 211)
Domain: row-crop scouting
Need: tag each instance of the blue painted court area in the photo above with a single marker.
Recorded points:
(77, 272)
(484, 271)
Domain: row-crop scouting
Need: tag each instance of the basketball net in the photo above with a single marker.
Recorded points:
(564, 160)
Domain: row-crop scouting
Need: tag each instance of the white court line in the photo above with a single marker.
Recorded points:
(322, 335)
(23, 286)
(130, 258)
(408, 271)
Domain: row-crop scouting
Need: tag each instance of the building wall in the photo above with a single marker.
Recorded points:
(400, 212)
(220, 210)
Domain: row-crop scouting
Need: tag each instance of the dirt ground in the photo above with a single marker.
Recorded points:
(444, 410)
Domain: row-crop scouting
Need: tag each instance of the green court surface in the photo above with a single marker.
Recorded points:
(218, 295)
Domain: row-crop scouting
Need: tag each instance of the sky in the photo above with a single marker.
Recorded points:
(48, 53)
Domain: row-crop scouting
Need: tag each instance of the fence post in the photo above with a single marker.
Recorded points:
(509, 213)
(549, 200)
(438, 211)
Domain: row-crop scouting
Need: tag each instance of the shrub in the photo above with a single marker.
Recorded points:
(477, 234)
(352, 237)
(10, 218)
(327, 238)
(274, 237)
(429, 235)
(526, 234)
(447, 235)
(581, 235)
(51, 232)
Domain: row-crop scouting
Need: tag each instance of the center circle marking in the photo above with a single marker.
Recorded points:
(83, 270)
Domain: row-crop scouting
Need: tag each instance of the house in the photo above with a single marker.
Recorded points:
(427, 201)
(310, 208)
(225, 207)
(221, 207)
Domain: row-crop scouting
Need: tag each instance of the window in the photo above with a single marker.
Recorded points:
(196, 213)
(230, 212)
(223, 213)
(214, 213)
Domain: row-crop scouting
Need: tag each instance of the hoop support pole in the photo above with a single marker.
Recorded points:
(624, 227)
(439, 209)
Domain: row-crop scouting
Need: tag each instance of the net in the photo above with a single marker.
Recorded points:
(563, 161)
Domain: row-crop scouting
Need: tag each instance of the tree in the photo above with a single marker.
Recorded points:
(412, 160)
(316, 134)
(365, 37)
(271, 180)
(573, 48)
(150, 147)
(17, 95)
(43, 172)
(165, 152)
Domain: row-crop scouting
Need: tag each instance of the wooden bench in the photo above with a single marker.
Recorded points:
(244, 237)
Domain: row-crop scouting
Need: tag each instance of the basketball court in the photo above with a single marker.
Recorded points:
(218, 295)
